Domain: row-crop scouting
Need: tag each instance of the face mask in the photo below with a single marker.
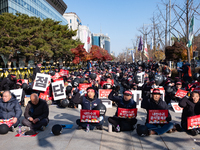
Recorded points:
(153, 86)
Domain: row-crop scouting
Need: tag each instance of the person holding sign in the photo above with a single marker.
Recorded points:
(36, 114)
(88, 102)
(120, 122)
(10, 108)
(190, 107)
(156, 103)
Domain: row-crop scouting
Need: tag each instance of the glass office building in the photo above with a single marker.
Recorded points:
(102, 41)
(37, 8)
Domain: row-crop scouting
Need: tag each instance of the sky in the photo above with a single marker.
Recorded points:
(119, 19)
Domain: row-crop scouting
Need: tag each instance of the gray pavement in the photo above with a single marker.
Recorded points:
(73, 139)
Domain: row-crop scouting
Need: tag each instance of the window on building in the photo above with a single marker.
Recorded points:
(70, 27)
(70, 20)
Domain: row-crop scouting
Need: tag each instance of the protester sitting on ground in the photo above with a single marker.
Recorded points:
(122, 124)
(88, 102)
(190, 105)
(36, 114)
(156, 103)
(10, 109)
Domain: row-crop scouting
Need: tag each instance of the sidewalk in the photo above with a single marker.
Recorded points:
(73, 139)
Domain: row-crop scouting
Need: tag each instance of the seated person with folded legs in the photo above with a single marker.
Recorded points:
(156, 103)
(36, 114)
(10, 109)
(122, 124)
(88, 102)
(190, 107)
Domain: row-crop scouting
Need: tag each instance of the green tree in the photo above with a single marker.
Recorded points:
(21, 35)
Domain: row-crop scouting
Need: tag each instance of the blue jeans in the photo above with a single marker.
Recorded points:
(160, 129)
(92, 125)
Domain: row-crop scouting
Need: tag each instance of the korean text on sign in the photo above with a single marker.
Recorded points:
(127, 113)
(181, 93)
(193, 122)
(103, 93)
(84, 86)
(89, 116)
(58, 90)
(41, 82)
(158, 116)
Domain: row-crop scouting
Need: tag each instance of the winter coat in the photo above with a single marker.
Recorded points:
(85, 101)
(41, 110)
(189, 109)
(8, 84)
(10, 109)
(150, 104)
(121, 103)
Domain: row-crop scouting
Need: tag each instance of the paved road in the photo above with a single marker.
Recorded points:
(73, 139)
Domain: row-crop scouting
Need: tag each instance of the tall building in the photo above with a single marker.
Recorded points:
(83, 32)
(39, 8)
(73, 22)
(102, 41)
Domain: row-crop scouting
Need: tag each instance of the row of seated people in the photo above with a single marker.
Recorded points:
(37, 111)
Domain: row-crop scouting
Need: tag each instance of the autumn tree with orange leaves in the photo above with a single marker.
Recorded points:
(96, 53)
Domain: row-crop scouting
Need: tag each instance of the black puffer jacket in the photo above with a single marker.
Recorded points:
(10, 109)
(189, 109)
(150, 104)
(8, 84)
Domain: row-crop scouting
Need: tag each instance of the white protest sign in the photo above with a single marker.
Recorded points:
(17, 93)
(141, 75)
(177, 108)
(137, 97)
(58, 90)
(41, 82)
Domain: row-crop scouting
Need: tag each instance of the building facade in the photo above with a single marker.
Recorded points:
(37, 8)
(102, 41)
(73, 20)
(83, 32)
(59, 5)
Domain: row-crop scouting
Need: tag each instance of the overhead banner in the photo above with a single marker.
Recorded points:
(58, 90)
(41, 82)
(17, 93)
